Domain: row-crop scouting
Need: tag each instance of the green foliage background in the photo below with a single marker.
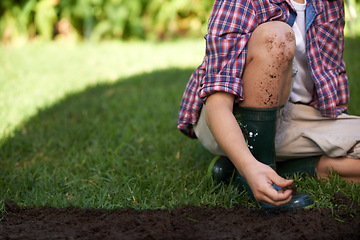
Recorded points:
(21, 20)
(103, 19)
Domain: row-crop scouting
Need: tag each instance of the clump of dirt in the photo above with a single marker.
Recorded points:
(293, 188)
(186, 222)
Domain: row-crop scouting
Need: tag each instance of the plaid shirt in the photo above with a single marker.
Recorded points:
(230, 26)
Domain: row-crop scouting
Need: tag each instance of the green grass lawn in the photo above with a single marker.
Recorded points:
(94, 126)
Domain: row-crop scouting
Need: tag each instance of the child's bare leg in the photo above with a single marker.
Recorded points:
(347, 168)
(266, 85)
(268, 69)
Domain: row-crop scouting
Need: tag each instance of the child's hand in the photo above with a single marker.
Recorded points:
(261, 179)
(227, 133)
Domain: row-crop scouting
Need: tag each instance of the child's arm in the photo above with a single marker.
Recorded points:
(227, 133)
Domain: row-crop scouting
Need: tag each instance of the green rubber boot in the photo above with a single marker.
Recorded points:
(301, 166)
(259, 128)
(221, 169)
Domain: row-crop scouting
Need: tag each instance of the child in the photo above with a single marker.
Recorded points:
(261, 56)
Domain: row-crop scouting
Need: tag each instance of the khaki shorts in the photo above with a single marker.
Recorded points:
(302, 132)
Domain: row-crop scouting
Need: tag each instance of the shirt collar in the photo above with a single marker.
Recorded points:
(313, 8)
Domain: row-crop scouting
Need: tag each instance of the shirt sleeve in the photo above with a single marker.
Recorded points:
(326, 46)
(230, 26)
(343, 86)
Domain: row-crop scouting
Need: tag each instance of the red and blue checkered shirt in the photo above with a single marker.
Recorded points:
(230, 26)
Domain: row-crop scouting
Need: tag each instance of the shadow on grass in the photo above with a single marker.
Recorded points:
(127, 129)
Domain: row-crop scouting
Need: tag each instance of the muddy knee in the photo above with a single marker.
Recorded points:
(267, 75)
(273, 41)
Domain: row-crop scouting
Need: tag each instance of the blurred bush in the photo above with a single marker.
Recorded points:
(21, 20)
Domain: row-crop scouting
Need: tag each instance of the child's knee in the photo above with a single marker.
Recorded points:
(274, 41)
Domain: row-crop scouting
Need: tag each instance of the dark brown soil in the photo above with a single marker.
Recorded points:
(182, 223)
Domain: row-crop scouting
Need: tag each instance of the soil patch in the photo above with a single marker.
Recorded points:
(182, 223)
